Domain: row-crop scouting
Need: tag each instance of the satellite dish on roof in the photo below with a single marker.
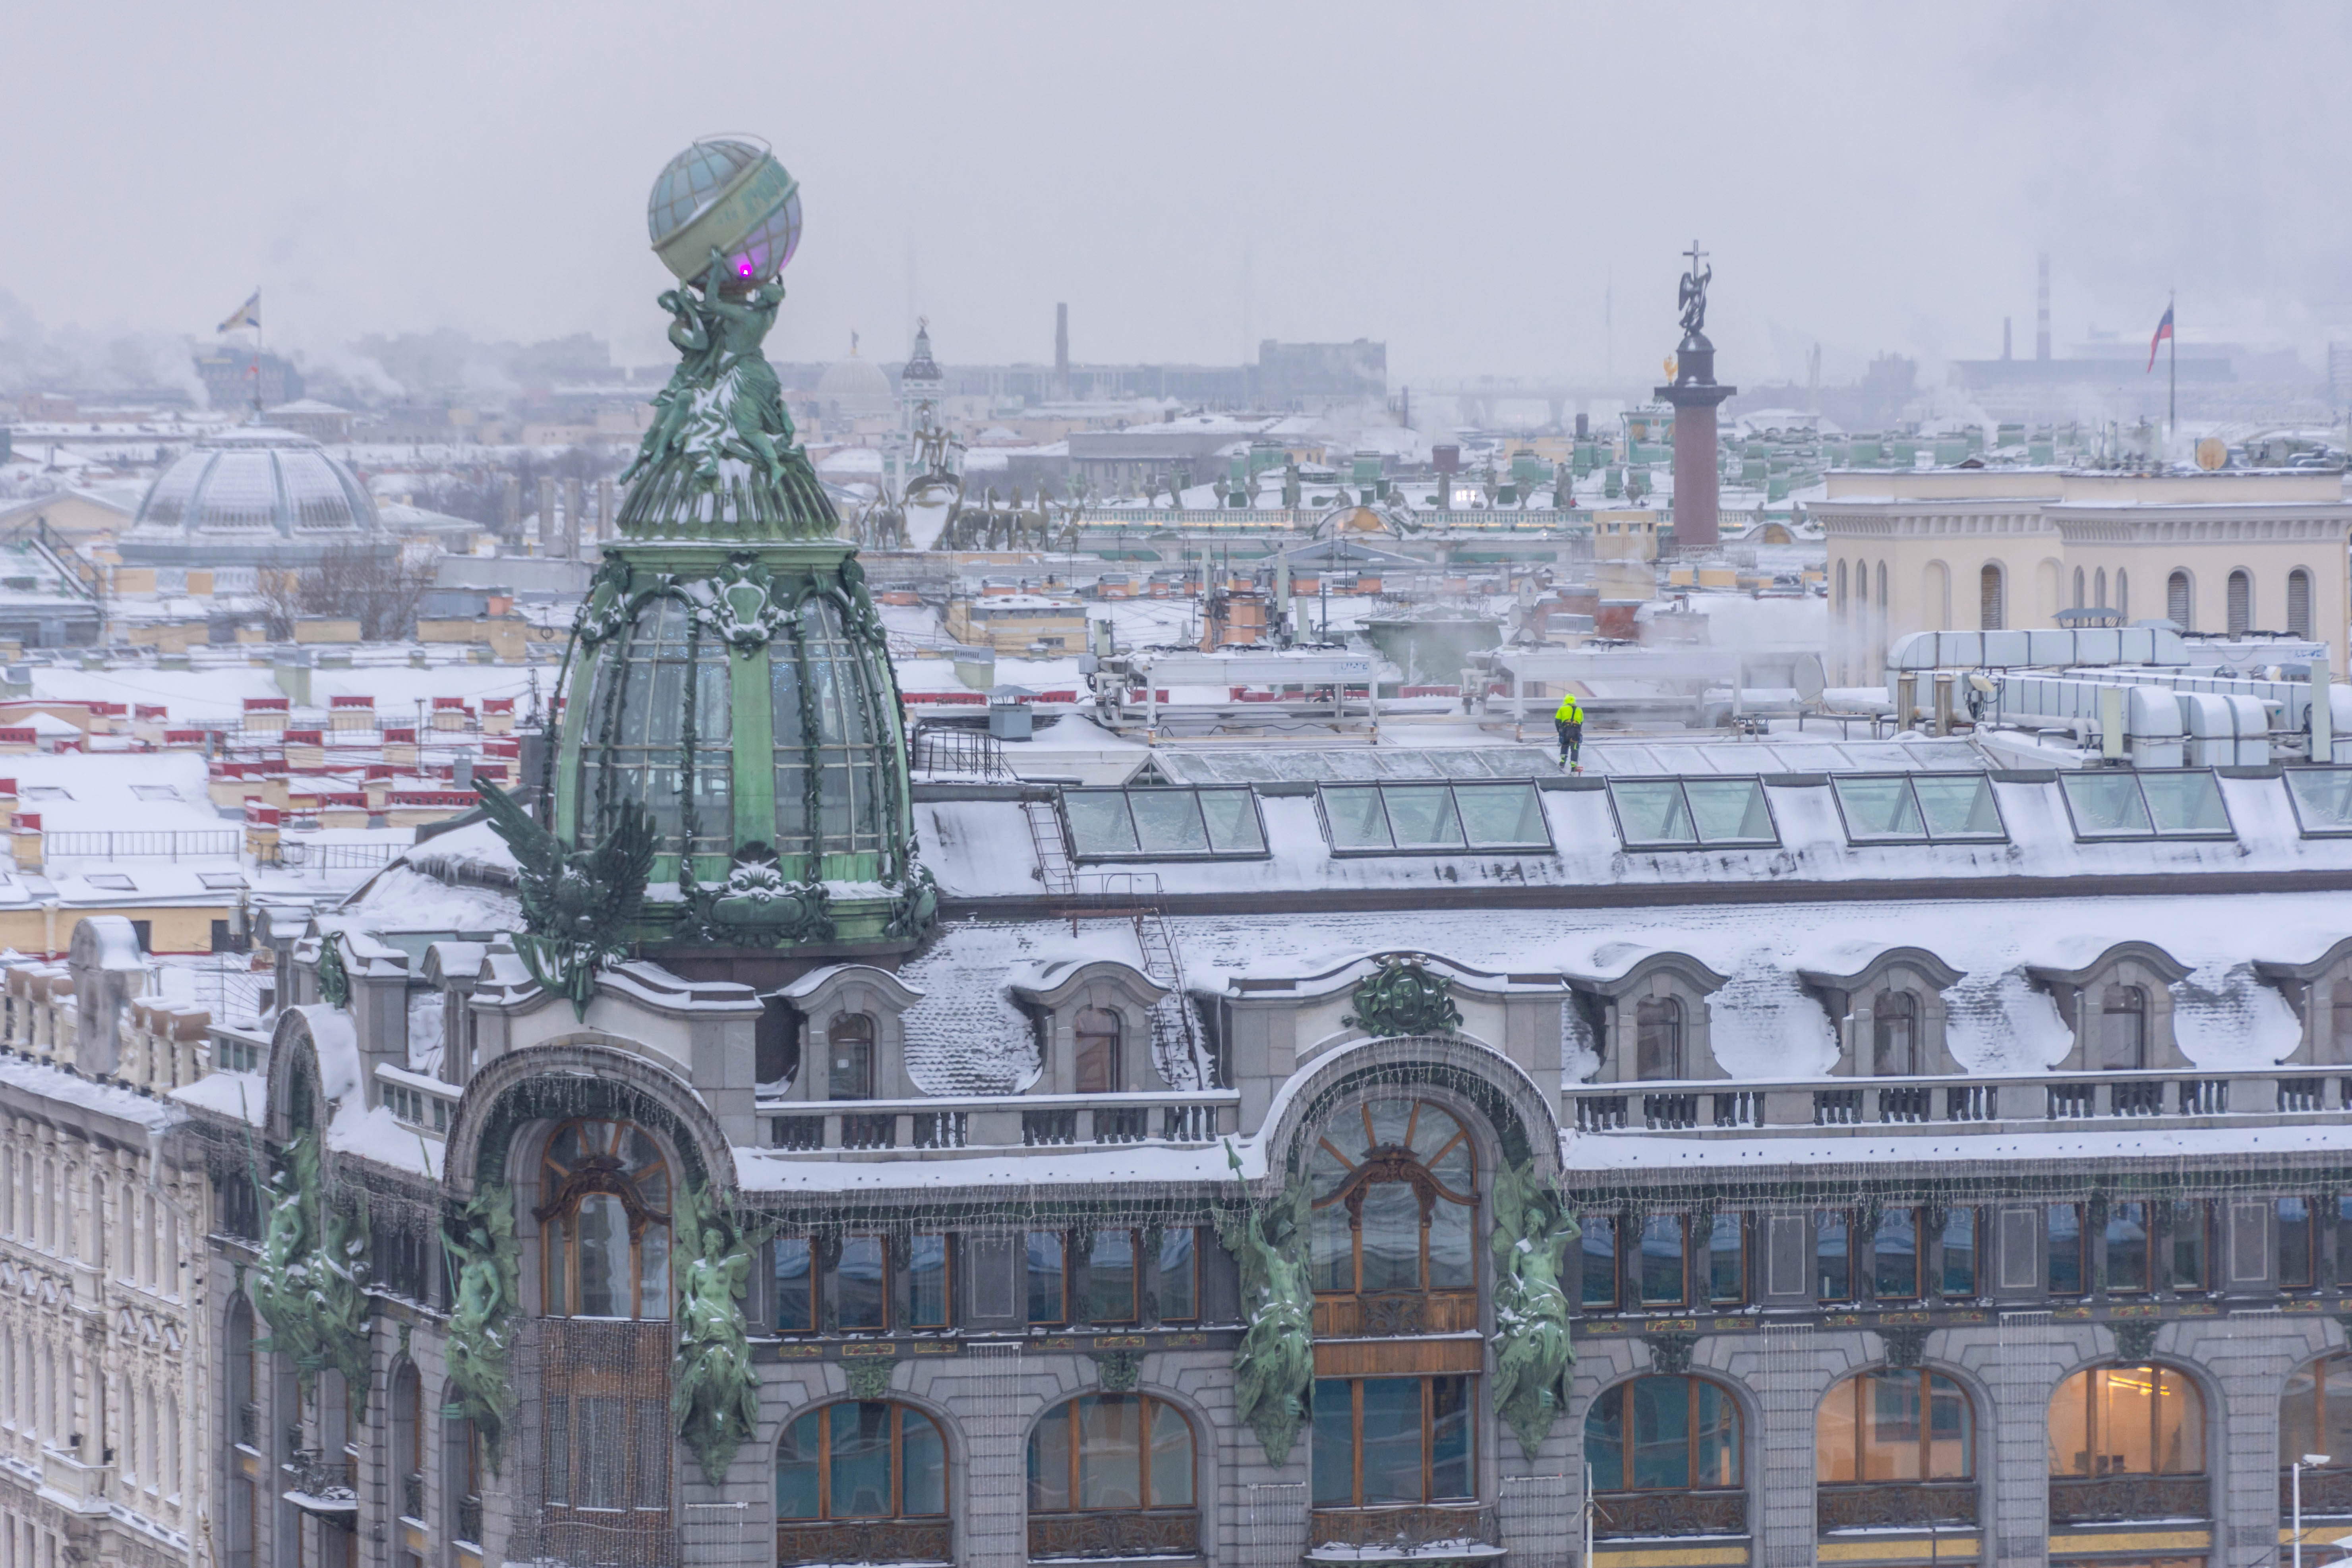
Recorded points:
(2212, 453)
(1807, 675)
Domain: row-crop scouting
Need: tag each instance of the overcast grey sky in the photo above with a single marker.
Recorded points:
(1463, 181)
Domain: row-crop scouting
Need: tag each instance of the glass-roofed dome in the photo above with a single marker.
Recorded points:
(760, 238)
(250, 494)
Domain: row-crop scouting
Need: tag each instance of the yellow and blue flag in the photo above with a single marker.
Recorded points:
(245, 315)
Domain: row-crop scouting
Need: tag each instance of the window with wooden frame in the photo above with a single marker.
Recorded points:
(1094, 1059)
(1394, 1186)
(1662, 1261)
(1894, 1425)
(1663, 1434)
(1598, 1251)
(2127, 1421)
(605, 1222)
(2124, 1243)
(860, 1459)
(1046, 1260)
(930, 1282)
(1958, 1277)
(1833, 1255)
(2316, 1415)
(2062, 1250)
(2298, 1244)
(1127, 1456)
(1114, 1292)
(2189, 1245)
(849, 1053)
(1180, 1274)
(1726, 1259)
(861, 1285)
(1388, 1440)
(1894, 1256)
(795, 1276)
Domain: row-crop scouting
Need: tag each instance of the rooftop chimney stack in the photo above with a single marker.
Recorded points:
(1062, 350)
(2042, 311)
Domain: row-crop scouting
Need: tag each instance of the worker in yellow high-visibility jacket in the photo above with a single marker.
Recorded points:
(1569, 720)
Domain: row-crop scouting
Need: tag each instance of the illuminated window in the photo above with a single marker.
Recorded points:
(2315, 1413)
(2127, 1421)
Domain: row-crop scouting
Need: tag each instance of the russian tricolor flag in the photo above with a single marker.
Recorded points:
(2163, 331)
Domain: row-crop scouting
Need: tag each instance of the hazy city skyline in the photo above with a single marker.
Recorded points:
(1868, 181)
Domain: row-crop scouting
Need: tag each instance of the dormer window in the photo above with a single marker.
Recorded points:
(849, 1048)
(1894, 1035)
(1096, 1060)
(1658, 1039)
(2122, 1029)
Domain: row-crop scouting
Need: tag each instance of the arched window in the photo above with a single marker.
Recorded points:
(461, 1478)
(1661, 1433)
(1658, 1039)
(2339, 1020)
(2177, 605)
(1395, 1184)
(1097, 1068)
(2242, 602)
(1110, 1475)
(2126, 1421)
(408, 1442)
(2123, 593)
(1894, 1035)
(1883, 1439)
(607, 1212)
(1989, 602)
(1882, 592)
(1841, 590)
(861, 1460)
(849, 1047)
(2078, 588)
(1896, 1425)
(2298, 603)
(639, 700)
(2122, 1029)
(2099, 588)
(2315, 1413)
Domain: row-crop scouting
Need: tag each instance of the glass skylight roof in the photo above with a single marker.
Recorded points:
(1690, 814)
(2323, 799)
(1435, 817)
(2117, 803)
(1899, 808)
(1161, 824)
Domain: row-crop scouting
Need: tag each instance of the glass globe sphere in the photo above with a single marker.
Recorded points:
(734, 188)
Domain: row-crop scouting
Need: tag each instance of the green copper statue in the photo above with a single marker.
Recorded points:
(308, 1286)
(1532, 1353)
(1274, 1365)
(482, 1253)
(577, 904)
(716, 1398)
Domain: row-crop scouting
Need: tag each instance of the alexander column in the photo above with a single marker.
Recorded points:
(1695, 395)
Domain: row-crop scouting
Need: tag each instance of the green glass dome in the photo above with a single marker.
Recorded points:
(745, 699)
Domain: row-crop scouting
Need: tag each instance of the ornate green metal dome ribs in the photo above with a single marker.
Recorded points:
(729, 695)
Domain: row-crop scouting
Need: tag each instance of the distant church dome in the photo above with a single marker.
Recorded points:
(250, 495)
(858, 386)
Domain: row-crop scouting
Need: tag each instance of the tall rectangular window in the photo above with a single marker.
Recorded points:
(1111, 1277)
(1663, 1264)
(1959, 1273)
(2188, 1234)
(2064, 1236)
(1833, 1255)
(1179, 1275)
(861, 1284)
(1048, 1272)
(1726, 1259)
(1599, 1253)
(2297, 1255)
(927, 1282)
(2125, 1240)
(795, 1286)
(1894, 1256)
